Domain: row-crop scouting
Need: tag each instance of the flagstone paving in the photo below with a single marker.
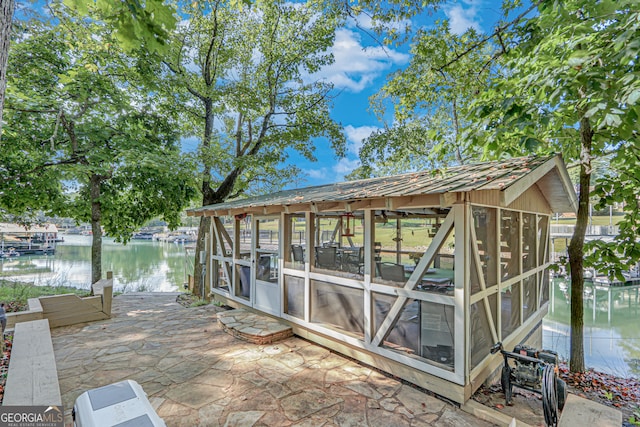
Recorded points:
(197, 375)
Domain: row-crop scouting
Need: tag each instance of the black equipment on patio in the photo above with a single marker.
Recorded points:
(535, 371)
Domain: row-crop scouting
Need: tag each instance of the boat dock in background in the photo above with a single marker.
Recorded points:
(16, 240)
(606, 281)
(143, 235)
(181, 235)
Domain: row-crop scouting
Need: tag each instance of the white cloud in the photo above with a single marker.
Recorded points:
(461, 19)
(321, 173)
(357, 66)
(364, 21)
(331, 174)
(345, 166)
(355, 136)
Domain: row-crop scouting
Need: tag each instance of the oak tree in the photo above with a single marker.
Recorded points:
(82, 137)
(239, 76)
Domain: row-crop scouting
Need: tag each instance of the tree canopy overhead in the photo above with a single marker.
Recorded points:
(82, 137)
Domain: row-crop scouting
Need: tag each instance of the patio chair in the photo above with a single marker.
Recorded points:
(354, 260)
(298, 253)
(391, 271)
(326, 257)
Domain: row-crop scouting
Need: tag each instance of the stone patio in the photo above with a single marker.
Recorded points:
(197, 375)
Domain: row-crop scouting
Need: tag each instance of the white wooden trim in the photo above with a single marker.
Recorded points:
(418, 295)
(284, 242)
(337, 280)
(483, 288)
(293, 272)
(499, 271)
(521, 185)
(544, 263)
(475, 259)
(221, 234)
(483, 294)
(461, 298)
(395, 310)
(221, 292)
(520, 265)
(310, 230)
(409, 293)
(226, 262)
(484, 205)
(225, 234)
(255, 241)
(218, 249)
(523, 276)
(212, 250)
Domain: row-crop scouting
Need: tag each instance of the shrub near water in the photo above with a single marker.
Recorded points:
(15, 294)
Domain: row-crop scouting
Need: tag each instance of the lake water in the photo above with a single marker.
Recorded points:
(140, 265)
(612, 330)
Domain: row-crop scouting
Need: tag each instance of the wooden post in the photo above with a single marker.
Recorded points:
(309, 258)
(368, 268)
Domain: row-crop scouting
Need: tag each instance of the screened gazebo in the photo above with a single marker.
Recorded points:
(416, 274)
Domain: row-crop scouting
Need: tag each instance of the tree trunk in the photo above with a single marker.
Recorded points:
(208, 198)
(576, 251)
(199, 285)
(96, 242)
(6, 17)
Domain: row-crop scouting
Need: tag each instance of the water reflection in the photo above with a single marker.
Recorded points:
(138, 266)
(611, 333)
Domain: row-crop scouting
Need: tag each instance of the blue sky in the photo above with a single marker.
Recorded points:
(361, 68)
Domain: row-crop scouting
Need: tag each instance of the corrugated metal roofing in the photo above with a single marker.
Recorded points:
(493, 175)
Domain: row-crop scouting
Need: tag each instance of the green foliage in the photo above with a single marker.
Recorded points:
(635, 418)
(77, 114)
(575, 60)
(391, 18)
(136, 23)
(430, 102)
(199, 303)
(244, 89)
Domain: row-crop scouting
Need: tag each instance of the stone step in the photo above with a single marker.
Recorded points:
(252, 327)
